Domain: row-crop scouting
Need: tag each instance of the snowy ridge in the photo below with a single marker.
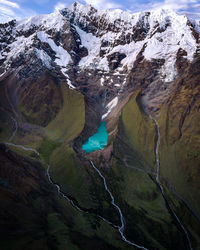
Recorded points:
(19, 46)
(43, 22)
(116, 16)
(62, 56)
(157, 35)
(93, 44)
(174, 34)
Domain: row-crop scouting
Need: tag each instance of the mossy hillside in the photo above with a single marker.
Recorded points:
(187, 217)
(53, 222)
(58, 110)
(179, 152)
(82, 230)
(39, 100)
(67, 125)
(81, 182)
(60, 227)
(112, 237)
(141, 202)
(173, 158)
(98, 232)
(70, 120)
(180, 145)
(135, 192)
(68, 172)
(60, 232)
(24, 153)
(46, 149)
(4, 102)
(48, 221)
(139, 129)
(43, 145)
(6, 123)
(6, 127)
(32, 137)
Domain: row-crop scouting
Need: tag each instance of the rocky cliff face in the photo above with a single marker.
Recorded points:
(61, 74)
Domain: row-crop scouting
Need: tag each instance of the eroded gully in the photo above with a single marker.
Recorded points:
(11, 117)
(121, 228)
(60, 193)
(54, 184)
(160, 185)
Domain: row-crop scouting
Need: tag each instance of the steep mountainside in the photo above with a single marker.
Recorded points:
(60, 76)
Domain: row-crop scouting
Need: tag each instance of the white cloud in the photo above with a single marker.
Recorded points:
(60, 5)
(41, 1)
(103, 4)
(99, 4)
(12, 10)
(9, 3)
(183, 5)
(6, 11)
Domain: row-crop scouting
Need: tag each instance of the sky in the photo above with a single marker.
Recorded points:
(19, 9)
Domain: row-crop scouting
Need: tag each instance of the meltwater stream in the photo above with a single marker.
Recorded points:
(61, 193)
(160, 185)
(121, 228)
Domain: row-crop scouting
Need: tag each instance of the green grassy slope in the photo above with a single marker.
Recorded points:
(69, 122)
(180, 145)
(139, 130)
(33, 216)
(139, 197)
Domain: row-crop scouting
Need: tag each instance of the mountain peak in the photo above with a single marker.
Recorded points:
(79, 75)
(113, 39)
(80, 11)
(77, 6)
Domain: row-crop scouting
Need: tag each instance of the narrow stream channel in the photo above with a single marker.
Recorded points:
(22, 147)
(160, 185)
(58, 187)
(121, 228)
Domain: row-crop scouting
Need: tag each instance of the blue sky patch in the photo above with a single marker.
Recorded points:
(19, 9)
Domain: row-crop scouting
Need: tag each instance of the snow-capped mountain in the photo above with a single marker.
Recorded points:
(64, 74)
(110, 42)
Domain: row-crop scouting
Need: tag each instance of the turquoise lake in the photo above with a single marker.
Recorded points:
(97, 141)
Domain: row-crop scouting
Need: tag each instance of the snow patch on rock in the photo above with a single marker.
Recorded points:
(165, 45)
(71, 86)
(44, 57)
(168, 70)
(54, 20)
(169, 42)
(93, 44)
(110, 107)
(20, 45)
(63, 58)
(131, 51)
(102, 81)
